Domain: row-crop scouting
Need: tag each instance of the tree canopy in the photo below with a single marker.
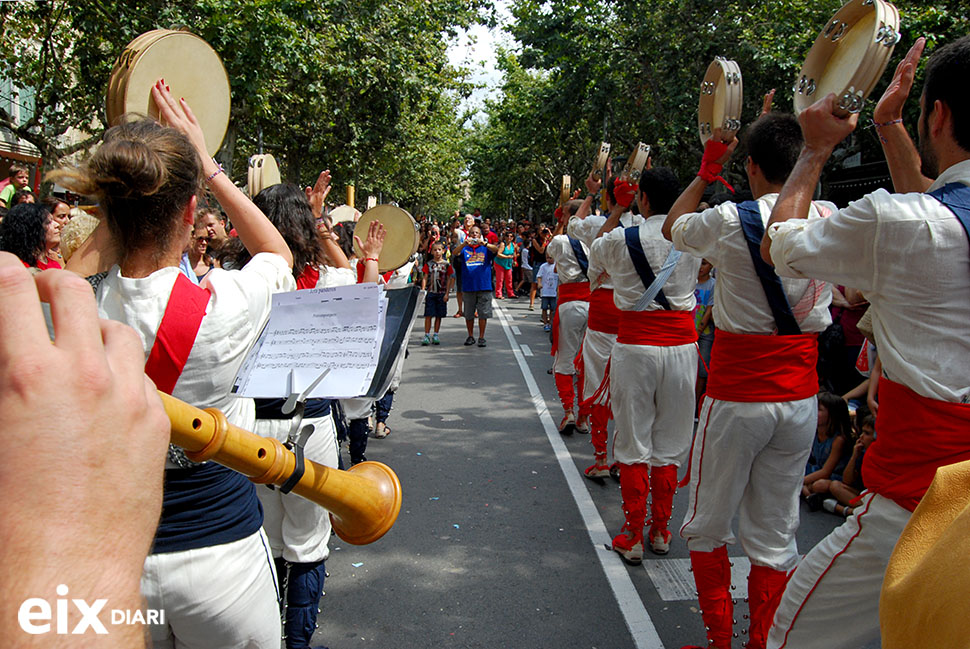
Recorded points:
(362, 88)
(623, 72)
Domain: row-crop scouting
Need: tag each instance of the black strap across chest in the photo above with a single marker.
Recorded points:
(581, 256)
(956, 197)
(640, 263)
(754, 230)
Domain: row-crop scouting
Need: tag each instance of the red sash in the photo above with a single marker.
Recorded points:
(603, 314)
(657, 328)
(915, 436)
(176, 333)
(571, 292)
(757, 368)
(308, 278)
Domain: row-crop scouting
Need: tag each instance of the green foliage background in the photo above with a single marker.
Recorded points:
(629, 71)
(365, 89)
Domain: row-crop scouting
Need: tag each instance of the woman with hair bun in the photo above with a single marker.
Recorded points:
(210, 568)
(30, 232)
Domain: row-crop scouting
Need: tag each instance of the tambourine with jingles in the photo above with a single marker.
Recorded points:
(849, 56)
(263, 172)
(599, 162)
(720, 102)
(633, 168)
(343, 214)
(565, 190)
(190, 67)
(401, 240)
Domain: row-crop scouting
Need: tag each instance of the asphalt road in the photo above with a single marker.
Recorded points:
(500, 541)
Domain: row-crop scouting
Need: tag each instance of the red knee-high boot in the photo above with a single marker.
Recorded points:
(599, 418)
(567, 395)
(712, 576)
(765, 588)
(663, 484)
(634, 487)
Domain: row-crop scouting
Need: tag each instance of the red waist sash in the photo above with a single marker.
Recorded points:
(571, 292)
(915, 436)
(657, 328)
(753, 368)
(603, 314)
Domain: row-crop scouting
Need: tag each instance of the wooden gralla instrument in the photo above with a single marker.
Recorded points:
(363, 502)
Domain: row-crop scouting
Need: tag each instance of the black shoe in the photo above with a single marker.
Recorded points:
(481, 342)
(469, 341)
(814, 502)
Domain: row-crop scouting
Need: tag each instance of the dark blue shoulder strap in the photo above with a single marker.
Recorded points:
(956, 197)
(641, 264)
(754, 230)
(580, 255)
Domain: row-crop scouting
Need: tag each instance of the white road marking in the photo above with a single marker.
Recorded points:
(526, 350)
(516, 330)
(674, 582)
(631, 606)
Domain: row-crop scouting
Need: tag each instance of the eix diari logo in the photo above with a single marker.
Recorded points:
(36, 616)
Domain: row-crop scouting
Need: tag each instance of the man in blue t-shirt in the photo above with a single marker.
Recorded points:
(475, 255)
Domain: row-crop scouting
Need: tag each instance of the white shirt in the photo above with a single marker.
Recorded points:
(550, 280)
(740, 305)
(237, 311)
(909, 255)
(331, 276)
(612, 252)
(563, 255)
(586, 230)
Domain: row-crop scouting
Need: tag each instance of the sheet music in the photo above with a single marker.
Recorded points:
(337, 328)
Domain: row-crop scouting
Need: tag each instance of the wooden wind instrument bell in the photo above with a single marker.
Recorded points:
(363, 502)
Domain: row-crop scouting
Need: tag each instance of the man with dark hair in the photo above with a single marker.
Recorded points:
(757, 420)
(475, 255)
(908, 253)
(654, 361)
(602, 325)
(774, 142)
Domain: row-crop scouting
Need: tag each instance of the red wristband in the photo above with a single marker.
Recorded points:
(624, 192)
(366, 259)
(710, 170)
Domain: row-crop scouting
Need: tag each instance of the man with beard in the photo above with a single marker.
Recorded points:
(908, 253)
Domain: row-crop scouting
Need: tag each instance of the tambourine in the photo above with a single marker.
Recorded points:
(343, 214)
(849, 56)
(263, 172)
(190, 67)
(720, 101)
(599, 163)
(633, 168)
(401, 241)
(565, 190)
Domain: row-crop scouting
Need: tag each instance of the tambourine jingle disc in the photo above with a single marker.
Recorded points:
(848, 56)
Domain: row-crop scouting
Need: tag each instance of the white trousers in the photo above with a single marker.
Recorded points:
(832, 599)
(652, 395)
(749, 458)
(218, 597)
(298, 530)
(572, 327)
(597, 347)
